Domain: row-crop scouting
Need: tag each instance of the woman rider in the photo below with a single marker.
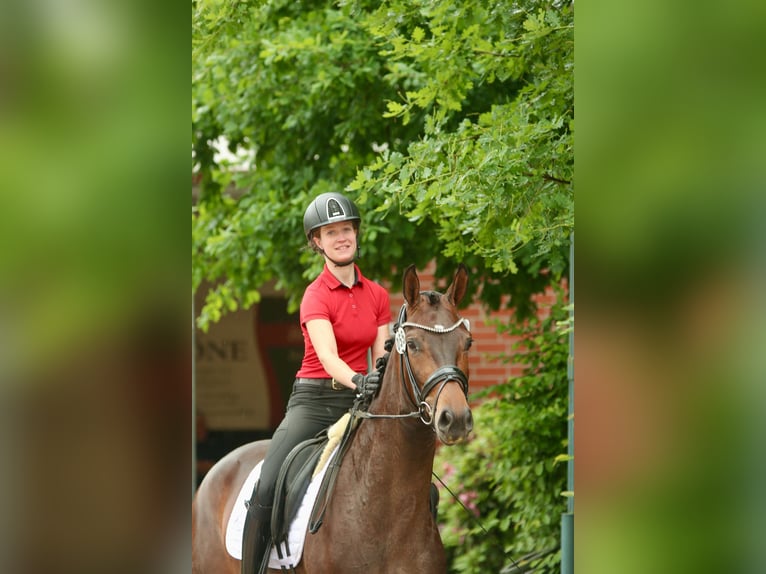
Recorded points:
(343, 315)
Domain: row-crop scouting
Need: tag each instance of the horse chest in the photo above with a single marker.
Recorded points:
(378, 556)
(366, 544)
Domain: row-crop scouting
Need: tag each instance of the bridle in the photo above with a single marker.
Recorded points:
(441, 376)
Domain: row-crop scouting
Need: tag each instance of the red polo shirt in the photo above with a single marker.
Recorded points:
(355, 313)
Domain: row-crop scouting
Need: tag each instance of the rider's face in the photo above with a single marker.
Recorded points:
(338, 240)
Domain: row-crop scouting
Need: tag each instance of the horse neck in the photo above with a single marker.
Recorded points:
(397, 447)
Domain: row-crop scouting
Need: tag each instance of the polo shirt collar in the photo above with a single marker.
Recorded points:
(332, 280)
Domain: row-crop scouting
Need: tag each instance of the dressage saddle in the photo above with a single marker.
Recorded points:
(295, 476)
(292, 484)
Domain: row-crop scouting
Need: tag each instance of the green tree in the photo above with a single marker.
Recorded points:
(449, 123)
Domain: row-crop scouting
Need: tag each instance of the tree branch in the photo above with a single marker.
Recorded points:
(556, 179)
(547, 177)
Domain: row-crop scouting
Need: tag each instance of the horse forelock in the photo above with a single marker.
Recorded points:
(433, 297)
(434, 308)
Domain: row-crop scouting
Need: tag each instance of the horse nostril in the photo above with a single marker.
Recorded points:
(445, 420)
(469, 421)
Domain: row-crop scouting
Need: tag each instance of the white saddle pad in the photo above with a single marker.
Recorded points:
(297, 533)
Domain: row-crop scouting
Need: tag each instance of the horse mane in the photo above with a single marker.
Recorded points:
(382, 362)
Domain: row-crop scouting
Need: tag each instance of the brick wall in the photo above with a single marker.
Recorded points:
(486, 366)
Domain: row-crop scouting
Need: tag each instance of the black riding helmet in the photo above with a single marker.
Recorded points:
(328, 208)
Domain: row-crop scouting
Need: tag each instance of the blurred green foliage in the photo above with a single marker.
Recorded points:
(671, 253)
(91, 170)
(95, 312)
(449, 124)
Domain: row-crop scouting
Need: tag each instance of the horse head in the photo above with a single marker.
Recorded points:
(432, 342)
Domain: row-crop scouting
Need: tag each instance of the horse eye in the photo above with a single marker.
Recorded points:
(468, 344)
(411, 345)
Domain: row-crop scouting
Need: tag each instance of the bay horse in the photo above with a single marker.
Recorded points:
(378, 519)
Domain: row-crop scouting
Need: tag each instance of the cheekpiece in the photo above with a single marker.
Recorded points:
(400, 339)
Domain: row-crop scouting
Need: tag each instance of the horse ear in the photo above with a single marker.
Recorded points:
(411, 286)
(456, 291)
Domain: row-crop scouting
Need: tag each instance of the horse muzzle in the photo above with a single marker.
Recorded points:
(452, 425)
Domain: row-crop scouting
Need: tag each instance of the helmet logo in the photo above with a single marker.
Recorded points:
(334, 209)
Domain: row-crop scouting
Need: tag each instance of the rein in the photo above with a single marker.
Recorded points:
(516, 566)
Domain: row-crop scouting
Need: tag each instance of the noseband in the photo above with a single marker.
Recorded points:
(441, 376)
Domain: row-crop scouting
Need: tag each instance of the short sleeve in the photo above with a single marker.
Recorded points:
(313, 305)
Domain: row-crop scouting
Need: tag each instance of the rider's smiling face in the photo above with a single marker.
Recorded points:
(338, 240)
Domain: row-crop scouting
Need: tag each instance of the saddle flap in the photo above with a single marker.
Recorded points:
(292, 483)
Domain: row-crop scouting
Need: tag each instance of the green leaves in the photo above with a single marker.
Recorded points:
(502, 181)
(448, 121)
(394, 109)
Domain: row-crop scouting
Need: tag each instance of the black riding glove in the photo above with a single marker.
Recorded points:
(366, 385)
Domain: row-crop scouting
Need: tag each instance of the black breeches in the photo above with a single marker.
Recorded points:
(309, 411)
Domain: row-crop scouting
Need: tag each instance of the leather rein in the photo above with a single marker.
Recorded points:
(441, 376)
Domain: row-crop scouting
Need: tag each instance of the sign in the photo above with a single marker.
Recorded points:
(246, 365)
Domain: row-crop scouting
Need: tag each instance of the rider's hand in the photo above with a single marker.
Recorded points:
(366, 385)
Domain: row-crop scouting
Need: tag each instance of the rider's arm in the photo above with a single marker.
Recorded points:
(377, 347)
(323, 339)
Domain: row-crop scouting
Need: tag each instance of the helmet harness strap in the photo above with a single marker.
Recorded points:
(347, 263)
